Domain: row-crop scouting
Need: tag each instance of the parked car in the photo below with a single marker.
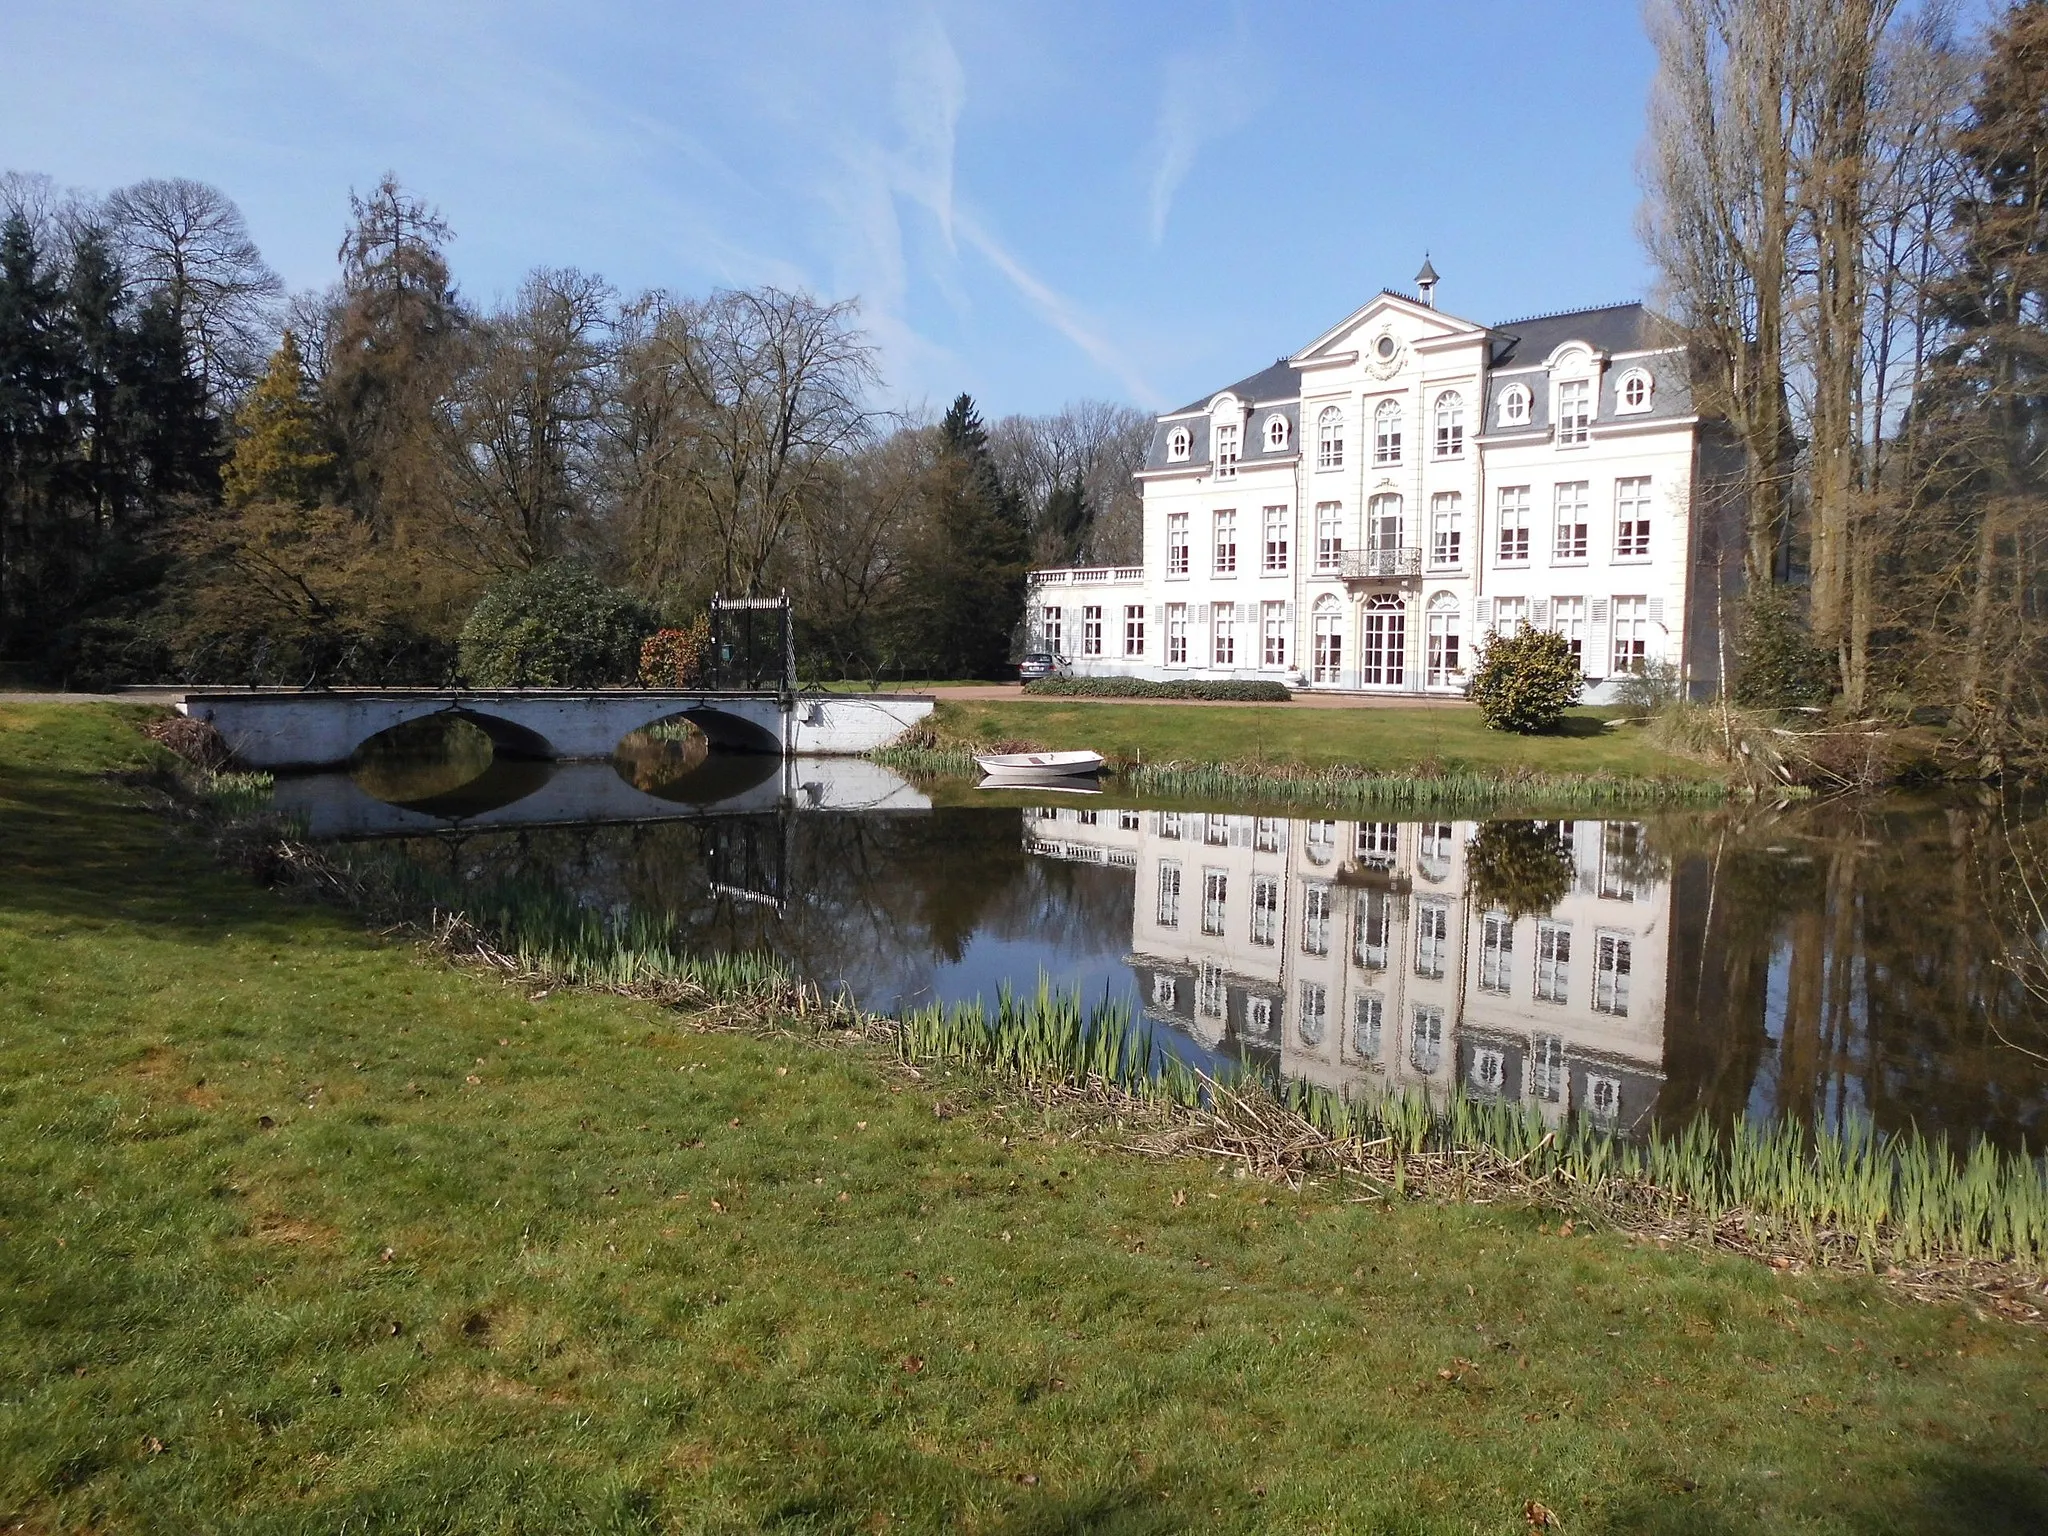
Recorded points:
(1037, 664)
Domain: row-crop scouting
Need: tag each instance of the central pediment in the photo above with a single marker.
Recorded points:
(1381, 329)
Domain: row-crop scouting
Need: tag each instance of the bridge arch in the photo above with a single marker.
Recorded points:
(508, 737)
(725, 730)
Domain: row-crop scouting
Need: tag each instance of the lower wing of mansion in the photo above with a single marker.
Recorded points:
(1364, 513)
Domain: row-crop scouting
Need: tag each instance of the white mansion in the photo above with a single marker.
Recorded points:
(1364, 512)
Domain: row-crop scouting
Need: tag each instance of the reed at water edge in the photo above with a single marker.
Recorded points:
(1850, 1195)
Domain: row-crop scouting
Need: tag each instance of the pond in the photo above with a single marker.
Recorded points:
(1824, 962)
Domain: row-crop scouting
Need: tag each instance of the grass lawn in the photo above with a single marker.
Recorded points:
(1385, 740)
(300, 1231)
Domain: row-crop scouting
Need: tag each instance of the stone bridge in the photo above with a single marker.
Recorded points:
(288, 728)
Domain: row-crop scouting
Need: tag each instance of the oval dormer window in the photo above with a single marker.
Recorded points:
(1276, 432)
(1514, 406)
(1635, 390)
(1177, 444)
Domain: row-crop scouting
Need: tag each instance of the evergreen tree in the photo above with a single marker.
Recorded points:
(1067, 520)
(967, 579)
(280, 449)
(37, 368)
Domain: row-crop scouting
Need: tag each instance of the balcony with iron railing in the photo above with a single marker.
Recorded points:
(1379, 564)
(1089, 576)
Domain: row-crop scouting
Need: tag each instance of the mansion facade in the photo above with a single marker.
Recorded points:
(1365, 512)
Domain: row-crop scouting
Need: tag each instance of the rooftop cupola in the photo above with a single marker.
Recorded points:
(1425, 282)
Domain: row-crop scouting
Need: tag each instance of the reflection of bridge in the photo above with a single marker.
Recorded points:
(286, 728)
(536, 794)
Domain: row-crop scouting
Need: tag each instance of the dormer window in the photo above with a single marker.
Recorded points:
(1450, 425)
(1226, 452)
(1276, 433)
(1634, 393)
(1386, 432)
(1574, 411)
(1330, 438)
(1514, 406)
(1177, 443)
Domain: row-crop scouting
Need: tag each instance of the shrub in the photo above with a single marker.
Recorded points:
(674, 658)
(556, 626)
(1648, 692)
(1519, 866)
(1781, 667)
(1525, 682)
(1249, 691)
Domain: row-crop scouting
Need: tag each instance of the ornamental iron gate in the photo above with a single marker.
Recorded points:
(753, 646)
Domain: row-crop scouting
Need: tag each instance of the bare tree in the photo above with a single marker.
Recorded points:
(1093, 446)
(188, 242)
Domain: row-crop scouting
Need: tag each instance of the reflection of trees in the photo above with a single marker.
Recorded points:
(1519, 866)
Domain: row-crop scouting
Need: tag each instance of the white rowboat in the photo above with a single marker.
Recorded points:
(1039, 766)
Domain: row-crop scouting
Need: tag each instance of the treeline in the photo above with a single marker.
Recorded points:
(1849, 207)
(203, 479)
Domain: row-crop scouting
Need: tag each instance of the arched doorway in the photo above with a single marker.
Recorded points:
(1326, 658)
(1383, 657)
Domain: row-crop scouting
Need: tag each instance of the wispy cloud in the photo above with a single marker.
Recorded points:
(931, 92)
(1207, 95)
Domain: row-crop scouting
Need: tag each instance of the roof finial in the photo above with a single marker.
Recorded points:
(1425, 282)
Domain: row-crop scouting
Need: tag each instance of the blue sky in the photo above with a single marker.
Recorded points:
(1033, 202)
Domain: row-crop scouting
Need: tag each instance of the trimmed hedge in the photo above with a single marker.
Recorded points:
(1251, 691)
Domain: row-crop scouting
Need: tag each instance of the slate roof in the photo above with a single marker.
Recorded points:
(1282, 381)
(1610, 328)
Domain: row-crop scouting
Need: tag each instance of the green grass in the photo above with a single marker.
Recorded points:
(1387, 741)
(302, 1231)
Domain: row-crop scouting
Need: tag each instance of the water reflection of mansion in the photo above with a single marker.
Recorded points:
(1353, 953)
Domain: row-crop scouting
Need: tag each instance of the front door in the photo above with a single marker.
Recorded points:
(1386, 648)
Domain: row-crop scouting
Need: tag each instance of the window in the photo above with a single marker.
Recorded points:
(1091, 630)
(1176, 543)
(1386, 432)
(1372, 923)
(1050, 621)
(1330, 438)
(1553, 962)
(1223, 635)
(1437, 839)
(1510, 616)
(1169, 894)
(1134, 629)
(1378, 843)
(1329, 536)
(1216, 830)
(1276, 432)
(1315, 1012)
(1315, 919)
(1383, 527)
(1634, 394)
(1496, 952)
(1426, 1039)
(1445, 662)
(1165, 991)
(1450, 425)
(1087, 818)
(1176, 634)
(1368, 1014)
(1570, 543)
(1514, 406)
(1327, 658)
(1215, 893)
(1547, 1060)
(1226, 452)
(1611, 953)
(1385, 655)
(1621, 855)
(1258, 1016)
(1574, 411)
(1603, 1100)
(1631, 634)
(1170, 823)
(1488, 1072)
(1269, 835)
(1272, 634)
(1512, 546)
(1177, 443)
(1265, 911)
(1127, 821)
(1432, 936)
(1210, 992)
(1226, 543)
(1446, 528)
(1568, 618)
(1276, 541)
(1321, 840)
(1632, 518)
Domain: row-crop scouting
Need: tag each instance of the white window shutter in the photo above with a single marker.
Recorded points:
(1482, 611)
(1539, 612)
(1656, 610)
(1201, 613)
(1159, 616)
(1287, 613)
(1247, 613)
(1599, 610)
